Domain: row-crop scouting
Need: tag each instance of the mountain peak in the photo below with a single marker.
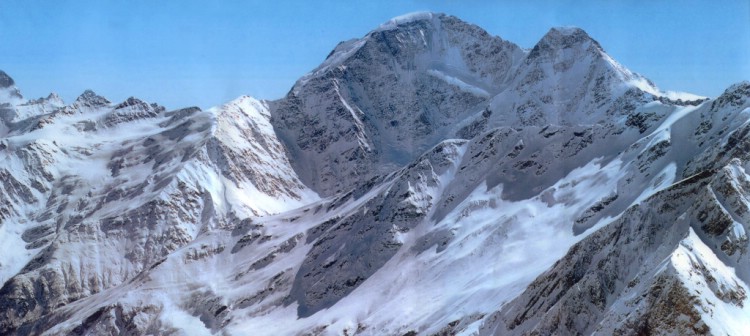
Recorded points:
(409, 18)
(52, 99)
(8, 90)
(561, 38)
(5, 80)
(246, 100)
(383, 87)
(55, 99)
(737, 94)
(90, 98)
(132, 101)
(567, 30)
(742, 87)
(567, 36)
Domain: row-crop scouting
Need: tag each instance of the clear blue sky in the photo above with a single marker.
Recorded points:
(204, 53)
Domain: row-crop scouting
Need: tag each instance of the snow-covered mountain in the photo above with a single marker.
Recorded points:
(426, 179)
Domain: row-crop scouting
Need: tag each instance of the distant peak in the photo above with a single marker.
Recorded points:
(90, 98)
(55, 99)
(52, 99)
(5, 80)
(87, 94)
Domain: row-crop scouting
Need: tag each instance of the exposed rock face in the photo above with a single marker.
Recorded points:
(597, 279)
(670, 263)
(5, 80)
(356, 246)
(378, 102)
(8, 90)
(648, 272)
(470, 187)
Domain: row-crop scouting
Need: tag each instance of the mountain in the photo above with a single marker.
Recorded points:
(378, 102)
(425, 179)
(96, 193)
